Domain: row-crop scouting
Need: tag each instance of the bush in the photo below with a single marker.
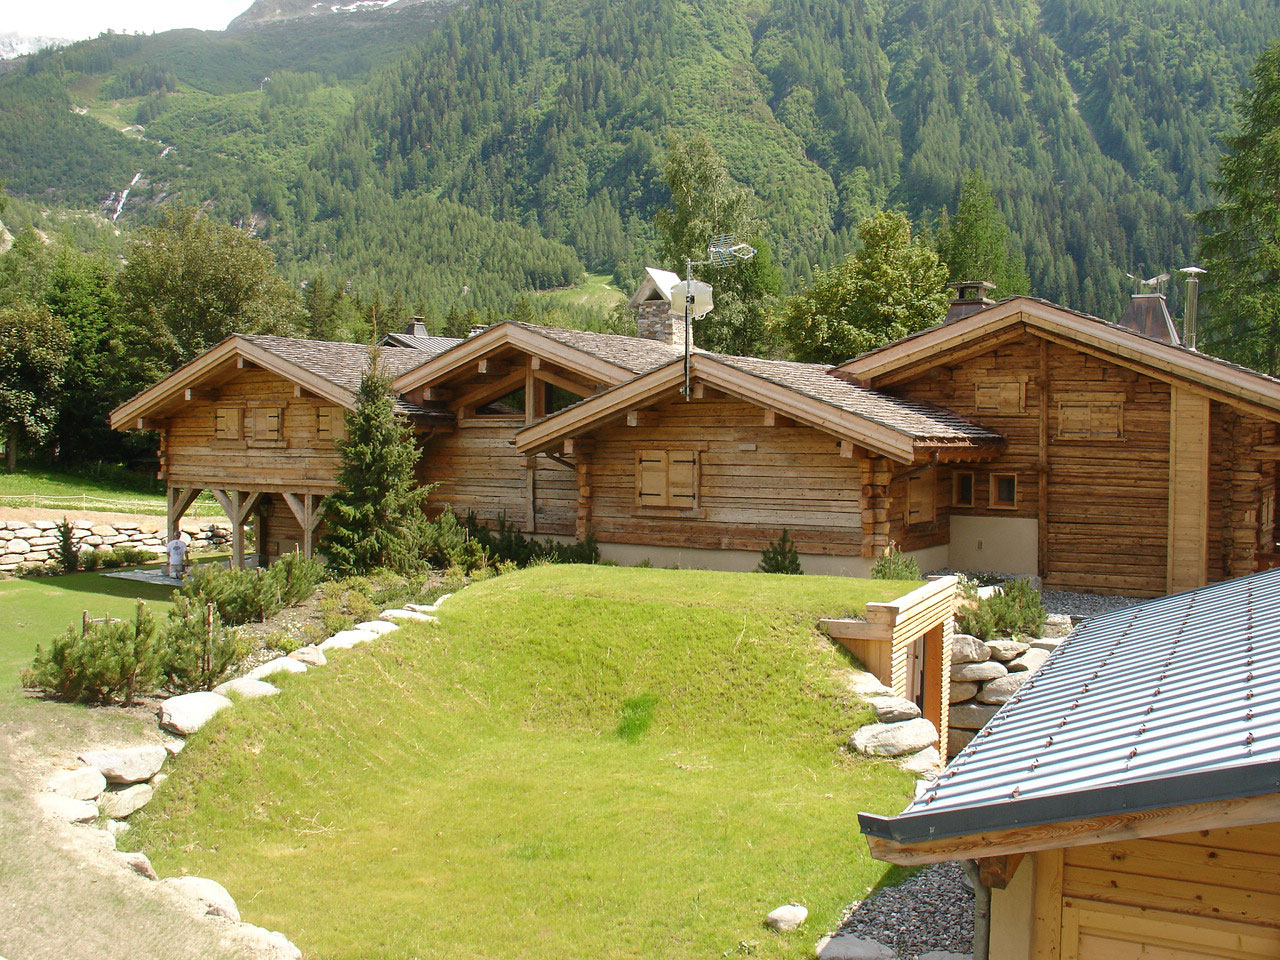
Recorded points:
(506, 544)
(1016, 610)
(67, 556)
(295, 577)
(101, 661)
(450, 544)
(198, 649)
(90, 560)
(241, 596)
(780, 556)
(893, 565)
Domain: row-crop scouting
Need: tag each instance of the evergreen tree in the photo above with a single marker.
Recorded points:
(33, 358)
(1242, 248)
(892, 287)
(376, 519)
(975, 243)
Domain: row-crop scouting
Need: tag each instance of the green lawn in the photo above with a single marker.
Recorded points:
(113, 490)
(596, 291)
(579, 762)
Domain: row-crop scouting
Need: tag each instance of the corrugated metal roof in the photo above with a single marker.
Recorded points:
(1182, 692)
(415, 341)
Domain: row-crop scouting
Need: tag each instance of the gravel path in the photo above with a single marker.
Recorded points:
(932, 910)
(1083, 604)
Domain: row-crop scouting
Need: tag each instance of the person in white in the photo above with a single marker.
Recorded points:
(177, 550)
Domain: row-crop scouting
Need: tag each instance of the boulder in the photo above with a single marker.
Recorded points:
(92, 841)
(970, 716)
(311, 655)
(893, 709)
(117, 828)
(271, 944)
(967, 649)
(894, 739)
(127, 764)
(926, 763)
(59, 807)
(189, 712)
(346, 639)
(1002, 688)
(1032, 660)
(173, 745)
(85, 783)
(987, 670)
(45, 524)
(962, 690)
(118, 804)
(210, 893)
(402, 614)
(1056, 625)
(421, 607)
(1047, 643)
(43, 541)
(247, 688)
(379, 627)
(864, 684)
(18, 545)
(103, 530)
(957, 740)
(846, 946)
(787, 917)
(139, 864)
(27, 533)
(278, 665)
(1006, 650)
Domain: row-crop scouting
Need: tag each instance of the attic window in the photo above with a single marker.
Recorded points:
(508, 407)
(266, 424)
(1091, 420)
(1006, 396)
(667, 478)
(921, 490)
(227, 423)
(330, 423)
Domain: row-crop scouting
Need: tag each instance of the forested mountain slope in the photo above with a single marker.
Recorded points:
(516, 141)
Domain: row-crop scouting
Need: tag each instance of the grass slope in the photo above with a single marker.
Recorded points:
(578, 762)
(107, 489)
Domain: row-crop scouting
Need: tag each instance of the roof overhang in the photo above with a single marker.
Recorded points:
(501, 336)
(908, 357)
(217, 364)
(644, 390)
(1199, 801)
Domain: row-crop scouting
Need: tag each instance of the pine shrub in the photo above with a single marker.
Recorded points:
(780, 556)
(67, 556)
(199, 649)
(101, 662)
(894, 565)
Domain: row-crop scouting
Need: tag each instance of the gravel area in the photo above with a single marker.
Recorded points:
(931, 910)
(1083, 605)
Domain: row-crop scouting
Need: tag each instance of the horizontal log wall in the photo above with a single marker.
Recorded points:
(754, 481)
(1239, 481)
(193, 456)
(281, 532)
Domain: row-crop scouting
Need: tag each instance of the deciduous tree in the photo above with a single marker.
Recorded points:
(33, 359)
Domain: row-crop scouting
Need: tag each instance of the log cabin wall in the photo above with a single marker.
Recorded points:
(753, 481)
(1242, 490)
(280, 531)
(300, 459)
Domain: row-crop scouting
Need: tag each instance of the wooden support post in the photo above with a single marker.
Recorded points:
(582, 457)
(238, 504)
(1046, 929)
(774, 419)
(306, 510)
(178, 501)
(642, 418)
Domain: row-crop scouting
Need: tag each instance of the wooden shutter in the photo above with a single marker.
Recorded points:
(1007, 396)
(226, 424)
(682, 478)
(920, 498)
(1106, 421)
(651, 478)
(266, 423)
(330, 424)
(1074, 421)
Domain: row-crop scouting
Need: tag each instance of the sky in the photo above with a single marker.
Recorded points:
(77, 19)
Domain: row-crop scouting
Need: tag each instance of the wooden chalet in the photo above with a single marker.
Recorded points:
(1018, 437)
(1126, 802)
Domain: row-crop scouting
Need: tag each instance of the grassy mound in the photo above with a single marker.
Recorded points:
(578, 762)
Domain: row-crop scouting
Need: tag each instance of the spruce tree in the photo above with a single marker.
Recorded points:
(376, 519)
(975, 243)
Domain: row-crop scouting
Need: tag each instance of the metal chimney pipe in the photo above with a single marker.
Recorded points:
(1193, 304)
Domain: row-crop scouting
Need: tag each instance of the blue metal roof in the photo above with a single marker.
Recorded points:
(1173, 701)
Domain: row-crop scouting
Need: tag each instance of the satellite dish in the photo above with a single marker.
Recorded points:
(696, 294)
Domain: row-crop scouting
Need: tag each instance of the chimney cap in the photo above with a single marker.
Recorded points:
(417, 327)
(971, 296)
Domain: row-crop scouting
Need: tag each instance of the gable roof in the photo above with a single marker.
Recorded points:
(328, 369)
(606, 357)
(804, 391)
(1170, 703)
(1165, 361)
(657, 282)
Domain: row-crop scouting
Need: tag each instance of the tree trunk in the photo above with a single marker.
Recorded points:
(11, 451)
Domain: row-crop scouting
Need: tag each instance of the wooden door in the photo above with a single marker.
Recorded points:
(1096, 931)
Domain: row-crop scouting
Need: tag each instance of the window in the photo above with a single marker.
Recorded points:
(667, 478)
(508, 407)
(962, 488)
(921, 490)
(330, 423)
(1090, 420)
(266, 424)
(1006, 396)
(227, 423)
(1004, 491)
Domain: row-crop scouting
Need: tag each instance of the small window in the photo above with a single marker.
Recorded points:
(667, 478)
(962, 488)
(920, 498)
(1090, 420)
(330, 423)
(1007, 396)
(1004, 491)
(266, 424)
(227, 423)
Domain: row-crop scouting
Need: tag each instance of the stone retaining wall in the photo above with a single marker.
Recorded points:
(32, 542)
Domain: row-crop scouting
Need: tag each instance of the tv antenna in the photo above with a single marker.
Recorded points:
(723, 251)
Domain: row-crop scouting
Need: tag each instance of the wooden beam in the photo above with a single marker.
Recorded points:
(306, 510)
(642, 418)
(564, 383)
(491, 366)
(998, 871)
(1046, 906)
(1267, 451)
(149, 423)
(535, 363)
(178, 500)
(195, 393)
(437, 393)
(774, 419)
(237, 504)
(848, 449)
(491, 391)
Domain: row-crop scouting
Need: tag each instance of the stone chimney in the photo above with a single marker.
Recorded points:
(417, 327)
(971, 296)
(656, 321)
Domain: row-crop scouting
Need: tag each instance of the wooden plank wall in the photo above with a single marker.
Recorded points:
(755, 480)
(194, 457)
(1240, 478)
(281, 531)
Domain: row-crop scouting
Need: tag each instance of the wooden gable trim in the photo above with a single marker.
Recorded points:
(643, 390)
(1158, 360)
(235, 353)
(1130, 825)
(509, 335)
